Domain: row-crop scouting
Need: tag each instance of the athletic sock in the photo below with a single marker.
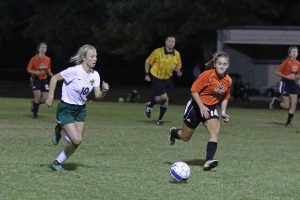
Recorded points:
(211, 149)
(290, 118)
(174, 134)
(36, 107)
(62, 157)
(163, 109)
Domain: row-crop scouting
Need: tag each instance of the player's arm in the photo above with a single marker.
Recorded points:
(225, 117)
(280, 70)
(178, 65)
(147, 72)
(30, 69)
(100, 94)
(52, 86)
(203, 109)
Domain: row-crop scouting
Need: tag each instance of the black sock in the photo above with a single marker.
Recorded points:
(36, 107)
(290, 118)
(277, 103)
(174, 134)
(211, 149)
(163, 109)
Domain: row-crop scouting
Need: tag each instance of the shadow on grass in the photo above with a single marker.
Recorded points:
(194, 162)
(277, 123)
(152, 121)
(69, 166)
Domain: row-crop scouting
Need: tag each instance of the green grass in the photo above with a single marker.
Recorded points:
(125, 156)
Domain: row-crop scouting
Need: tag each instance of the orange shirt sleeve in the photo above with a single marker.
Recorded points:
(282, 66)
(30, 64)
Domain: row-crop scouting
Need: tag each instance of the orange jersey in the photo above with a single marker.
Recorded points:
(289, 67)
(210, 88)
(42, 64)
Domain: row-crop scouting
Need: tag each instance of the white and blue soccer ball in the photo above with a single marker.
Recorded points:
(180, 171)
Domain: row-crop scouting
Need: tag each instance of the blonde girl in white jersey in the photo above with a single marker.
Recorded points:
(79, 81)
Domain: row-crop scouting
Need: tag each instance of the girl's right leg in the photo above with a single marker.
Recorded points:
(183, 134)
(36, 102)
(75, 133)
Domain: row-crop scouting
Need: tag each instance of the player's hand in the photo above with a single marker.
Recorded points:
(291, 77)
(179, 73)
(147, 78)
(105, 87)
(225, 117)
(49, 101)
(204, 112)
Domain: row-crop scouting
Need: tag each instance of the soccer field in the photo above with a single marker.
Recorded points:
(125, 156)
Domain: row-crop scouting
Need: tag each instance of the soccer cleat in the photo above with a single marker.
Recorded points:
(210, 164)
(56, 166)
(171, 137)
(159, 122)
(56, 136)
(148, 110)
(273, 103)
(287, 124)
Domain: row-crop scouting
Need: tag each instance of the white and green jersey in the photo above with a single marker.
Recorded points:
(78, 84)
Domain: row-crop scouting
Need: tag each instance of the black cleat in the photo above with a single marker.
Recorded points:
(210, 164)
(159, 122)
(287, 124)
(148, 110)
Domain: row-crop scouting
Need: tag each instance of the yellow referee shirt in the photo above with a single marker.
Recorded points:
(164, 63)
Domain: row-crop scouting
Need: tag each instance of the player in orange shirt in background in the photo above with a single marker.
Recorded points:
(289, 71)
(39, 67)
(210, 89)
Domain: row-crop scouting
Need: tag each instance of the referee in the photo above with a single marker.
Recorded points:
(159, 68)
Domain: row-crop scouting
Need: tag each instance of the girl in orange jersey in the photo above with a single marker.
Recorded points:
(211, 88)
(39, 67)
(289, 72)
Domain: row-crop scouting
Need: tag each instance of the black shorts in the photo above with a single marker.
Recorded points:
(192, 116)
(37, 84)
(288, 87)
(161, 86)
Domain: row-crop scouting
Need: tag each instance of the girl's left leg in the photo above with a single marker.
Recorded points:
(292, 110)
(213, 129)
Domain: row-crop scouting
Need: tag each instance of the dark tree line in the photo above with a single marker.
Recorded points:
(126, 31)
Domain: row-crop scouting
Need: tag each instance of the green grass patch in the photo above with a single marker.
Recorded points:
(126, 156)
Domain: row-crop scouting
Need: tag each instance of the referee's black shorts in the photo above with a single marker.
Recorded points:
(192, 116)
(161, 86)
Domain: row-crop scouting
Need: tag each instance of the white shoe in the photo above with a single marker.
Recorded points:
(148, 110)
(210, 164)
(272, 103)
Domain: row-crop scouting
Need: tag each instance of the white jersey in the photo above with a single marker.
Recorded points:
(78, 84)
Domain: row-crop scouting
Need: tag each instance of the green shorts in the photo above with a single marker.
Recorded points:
(69, 113)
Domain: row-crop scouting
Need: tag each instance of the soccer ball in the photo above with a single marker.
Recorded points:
(180, 171)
